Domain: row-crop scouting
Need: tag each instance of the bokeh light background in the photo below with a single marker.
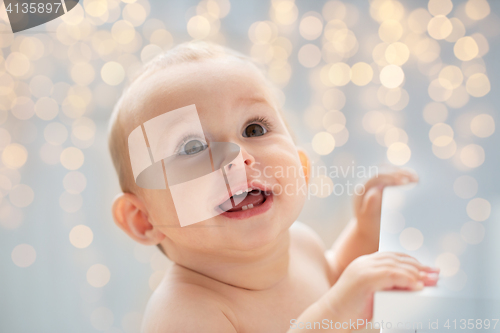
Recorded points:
(404, 83)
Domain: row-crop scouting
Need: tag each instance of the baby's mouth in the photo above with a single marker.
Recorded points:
(252, 198)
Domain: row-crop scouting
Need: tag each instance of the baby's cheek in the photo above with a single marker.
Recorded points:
(161, 208)
(293, 185)
(293, 198)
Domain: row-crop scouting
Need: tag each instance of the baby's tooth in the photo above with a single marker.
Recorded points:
(244, 208)
(239, 192)
(250, 206)
(249, 189)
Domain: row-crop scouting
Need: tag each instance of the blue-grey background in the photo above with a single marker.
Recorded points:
(53, 294)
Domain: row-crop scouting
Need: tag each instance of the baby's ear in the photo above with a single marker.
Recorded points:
(304, 161)
(131, 215)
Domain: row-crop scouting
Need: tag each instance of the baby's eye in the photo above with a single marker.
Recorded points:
(254, 130)
(192, 147)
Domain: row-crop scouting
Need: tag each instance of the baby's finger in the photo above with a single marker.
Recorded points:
(399, 177)
(429, 279)
(407, 173)
(397, 264)
(400, 279)
(411, 269)
(370, 199)
(405, 258)
(371, 203)
(405, 177)
(371, 187)
(381, 181)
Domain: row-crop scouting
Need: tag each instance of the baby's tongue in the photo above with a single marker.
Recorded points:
(253, 198)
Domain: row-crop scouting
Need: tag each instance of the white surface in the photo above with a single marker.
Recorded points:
(431, 306)
(472, 292)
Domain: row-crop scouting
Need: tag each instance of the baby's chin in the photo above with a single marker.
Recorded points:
(211, 236)
(253, 234)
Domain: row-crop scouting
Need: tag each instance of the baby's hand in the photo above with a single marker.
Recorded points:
(367, 206)
(352, 296)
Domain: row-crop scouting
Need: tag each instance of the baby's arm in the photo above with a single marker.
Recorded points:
(361, 235)
(350, 300)
(186, 308)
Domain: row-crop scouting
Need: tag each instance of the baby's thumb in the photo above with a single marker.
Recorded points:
(372, 203)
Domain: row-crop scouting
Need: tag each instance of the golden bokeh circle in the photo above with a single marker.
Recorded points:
(466, 48)
(479, 209)
(311, 27)
(361, 73)
(98, 275)
(14, 155)
(478, 85)
(398, 153)
(72, 158)
(17, 64)
(112, 73)
(439, 27)
(392, 76)
(477, 9)
(472, 155)
(23, 255)
(483, 125)
(323, 143)
(81, 236)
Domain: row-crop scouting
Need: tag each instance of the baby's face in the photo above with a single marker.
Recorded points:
(234, 104)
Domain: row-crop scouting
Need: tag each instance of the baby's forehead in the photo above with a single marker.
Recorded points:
(217, 81)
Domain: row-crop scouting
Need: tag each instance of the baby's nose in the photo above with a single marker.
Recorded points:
(224, 154)
(248, 159)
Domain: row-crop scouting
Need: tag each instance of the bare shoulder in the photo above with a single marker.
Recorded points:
(187, 308)
(307, 239)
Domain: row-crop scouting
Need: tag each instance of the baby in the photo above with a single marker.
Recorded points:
(253, 268)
